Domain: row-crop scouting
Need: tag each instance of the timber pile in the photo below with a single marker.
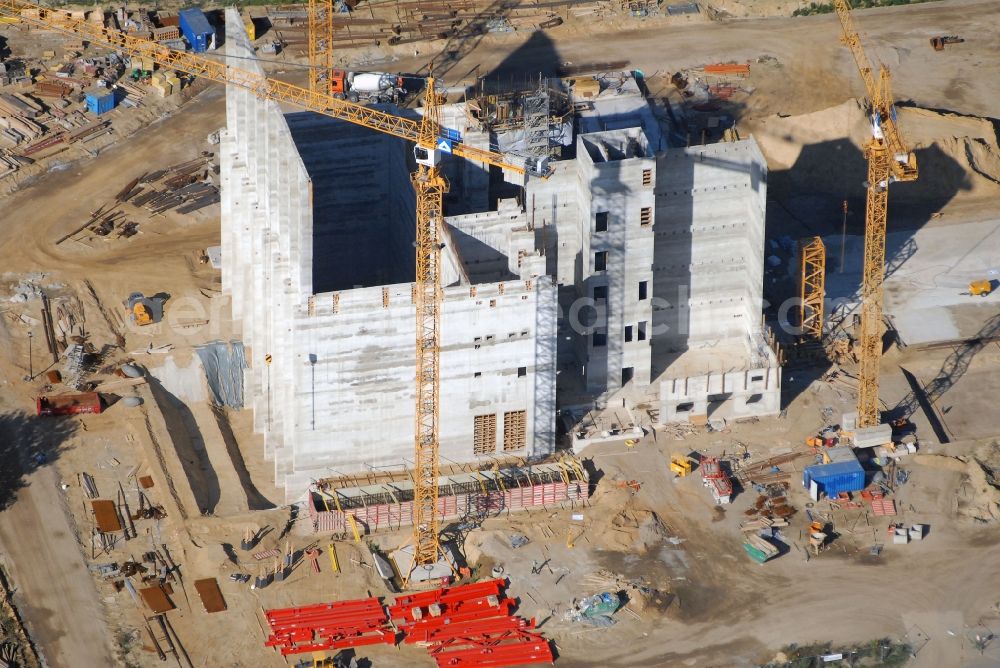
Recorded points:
(763, 523)
(185, 187)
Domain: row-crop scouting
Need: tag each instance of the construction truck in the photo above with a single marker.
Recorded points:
(366, 86)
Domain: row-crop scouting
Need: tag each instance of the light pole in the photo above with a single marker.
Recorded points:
(312, 364)
(31, 369)
(843, 237)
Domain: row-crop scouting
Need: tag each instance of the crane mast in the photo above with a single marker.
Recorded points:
(320, 44)
(430, 187)
(888, 160)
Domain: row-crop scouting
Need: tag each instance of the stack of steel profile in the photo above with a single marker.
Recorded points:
(326, 626)
(470, 625)
(464, 625)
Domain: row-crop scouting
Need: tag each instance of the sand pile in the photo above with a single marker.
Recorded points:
(978, 495)
(823, 151)
(624, 527)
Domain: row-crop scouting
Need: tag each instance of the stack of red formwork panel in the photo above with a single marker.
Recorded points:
(326, 626)
(470, 625)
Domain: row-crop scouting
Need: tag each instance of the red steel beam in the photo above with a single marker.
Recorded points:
(503, 610)
(517, 654)
(459, 592)
(474, 628)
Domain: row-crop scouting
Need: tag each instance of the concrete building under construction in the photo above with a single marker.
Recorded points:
(632, 274)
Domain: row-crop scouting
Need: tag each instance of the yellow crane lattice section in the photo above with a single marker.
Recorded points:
(813, 292)
(320, 44)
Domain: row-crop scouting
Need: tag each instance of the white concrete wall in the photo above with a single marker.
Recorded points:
(338, 394)
(722, 395)
(709, 266)
(360, 411)
(618, 186)
(710, 203)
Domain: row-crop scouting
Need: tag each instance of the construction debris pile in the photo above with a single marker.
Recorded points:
(49, 98)
(463, 625)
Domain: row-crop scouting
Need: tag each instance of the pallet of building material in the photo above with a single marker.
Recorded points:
(884, 507)
(266, 554)
(52, 89)
(88, 132)
(142, 199)
(737, 69)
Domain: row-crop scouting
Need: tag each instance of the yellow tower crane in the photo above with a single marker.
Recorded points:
(320, 44)
(889, 160)
(428, 182)
(430, 187)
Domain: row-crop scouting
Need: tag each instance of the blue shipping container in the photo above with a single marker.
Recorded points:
(100, 100)
(832, 479)
(197, 30)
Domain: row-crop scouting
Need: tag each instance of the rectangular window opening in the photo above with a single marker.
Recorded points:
(601, 221)
(646, 215)
(601, 261)
(522, 371)
(484, 434)
(627, 374)
(600, 293)
(643, 288)
(514, 432)
(647, 177)
(628, 333)
(600, 339)
(642, 330)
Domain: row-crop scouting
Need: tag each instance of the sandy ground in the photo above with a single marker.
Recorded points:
(719, 609)
(813, 69)
(55, 593)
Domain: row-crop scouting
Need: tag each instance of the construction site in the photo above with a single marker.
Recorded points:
(364, 333)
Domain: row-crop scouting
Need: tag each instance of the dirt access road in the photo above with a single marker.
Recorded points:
(54, 591)
(813, 71)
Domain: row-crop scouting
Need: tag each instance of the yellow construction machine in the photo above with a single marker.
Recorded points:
(144, 310)
(980, 288)
(681, 464)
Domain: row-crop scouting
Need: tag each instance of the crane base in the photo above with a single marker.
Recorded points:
(444, 567)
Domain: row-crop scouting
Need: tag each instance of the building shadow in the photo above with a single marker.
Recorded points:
(806, 200)
(27, 443)
(188, 443)
(363, 206)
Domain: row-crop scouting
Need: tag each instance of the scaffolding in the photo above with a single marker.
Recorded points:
(813, 287)
(472, 493)
(538, 110)
(536, 121)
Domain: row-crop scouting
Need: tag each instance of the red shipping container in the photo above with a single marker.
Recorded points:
(69, 404)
